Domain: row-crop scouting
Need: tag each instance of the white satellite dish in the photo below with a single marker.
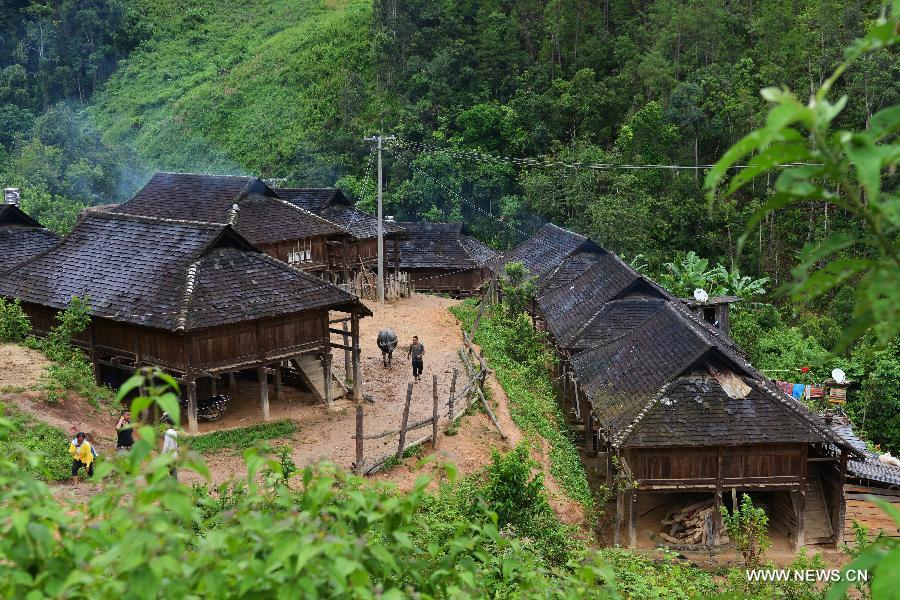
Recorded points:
(838, 375)
(700, 295)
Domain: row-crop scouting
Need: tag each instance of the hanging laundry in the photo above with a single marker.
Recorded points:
(816, 392)
(798, 391)
(785, 386)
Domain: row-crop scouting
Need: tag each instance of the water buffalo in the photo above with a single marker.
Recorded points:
(387, 342)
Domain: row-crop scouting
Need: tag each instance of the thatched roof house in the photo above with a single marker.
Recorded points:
(193, 297)
(21, 237)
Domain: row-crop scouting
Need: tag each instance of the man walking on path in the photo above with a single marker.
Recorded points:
(170, 445)
(417, 352)
(82, 455)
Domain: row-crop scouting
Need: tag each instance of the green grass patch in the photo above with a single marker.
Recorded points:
(50, 443)
(243, 437)
(522, 365)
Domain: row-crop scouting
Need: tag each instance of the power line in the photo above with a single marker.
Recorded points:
(548, 162)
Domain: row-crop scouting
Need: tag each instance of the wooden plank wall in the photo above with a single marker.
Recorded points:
(753, 464)
(861, 508)
(443, 280)
(282, 250)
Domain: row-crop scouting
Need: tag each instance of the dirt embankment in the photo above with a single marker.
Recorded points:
(21, 374)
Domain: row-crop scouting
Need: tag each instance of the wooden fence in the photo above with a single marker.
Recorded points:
(457, 405)
(364, 285)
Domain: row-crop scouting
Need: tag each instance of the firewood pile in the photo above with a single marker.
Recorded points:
(690, 525)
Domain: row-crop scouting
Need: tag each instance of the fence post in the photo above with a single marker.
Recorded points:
(359, 440)
(434, 415)
(452, 400)
(402, 444)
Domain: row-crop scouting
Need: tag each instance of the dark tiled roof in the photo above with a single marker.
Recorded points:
(260, 214)
(570, 308)
(616, 319)
(546, 250)
(866, 466)
(333, 205)
(440, 246)
(694, 410)
(21, 237)
(568, 270)
(622, 376)
(173, 275)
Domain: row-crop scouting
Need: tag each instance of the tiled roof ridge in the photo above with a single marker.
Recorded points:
(189, 174)
(190, 285)
(312, 215)
(122, 216)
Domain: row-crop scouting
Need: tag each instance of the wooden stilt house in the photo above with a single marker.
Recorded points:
(279, 228)
(332, 204)
(194, 298)
(669, 410)
(440, 258)
(21, 237)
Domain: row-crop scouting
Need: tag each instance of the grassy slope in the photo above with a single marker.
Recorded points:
(232, 85)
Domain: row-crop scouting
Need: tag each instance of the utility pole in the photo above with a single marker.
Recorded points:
(379, 139)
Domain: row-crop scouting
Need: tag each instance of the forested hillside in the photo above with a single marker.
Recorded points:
(95, 96)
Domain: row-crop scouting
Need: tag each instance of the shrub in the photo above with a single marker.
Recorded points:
(46, 446)
(748, 528)
(14, 325)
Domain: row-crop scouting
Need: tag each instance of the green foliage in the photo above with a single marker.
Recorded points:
(850, 170)
(517, 287)
(875, 405)
(14, 325)
(519, 357)
(241, 438)
(748, 529)
(690, 272)
(640, 576)
(321, 533)
(47, 446)
(70, 369)
(738, 584)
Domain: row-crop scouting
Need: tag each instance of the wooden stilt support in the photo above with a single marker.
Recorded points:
(278, 381)
(632, 519)
(348, 352)
(401, 446)
(98, 379)
(232, 381)
(434, 413)
(620, 515)
(213, 381)
(359, 440)
(713, 540)
(326, 368)
(357, 374)
(799, 538)
(590, 440)
(263, 391)
(191, 385)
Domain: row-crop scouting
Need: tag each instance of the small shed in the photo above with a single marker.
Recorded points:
(332, 204)
(194, 298)
(21, 237)
(279, 228)
(713, 310)
(439, 257)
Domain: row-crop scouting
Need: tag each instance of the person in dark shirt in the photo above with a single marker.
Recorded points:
(124, 433)
(417, 352)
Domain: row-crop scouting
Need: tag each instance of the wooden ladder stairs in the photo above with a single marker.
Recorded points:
(817, 518)
(309, 368)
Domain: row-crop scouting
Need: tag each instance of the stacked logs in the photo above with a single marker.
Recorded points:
(691, 525)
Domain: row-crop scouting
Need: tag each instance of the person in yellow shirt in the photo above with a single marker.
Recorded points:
(82, 456)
